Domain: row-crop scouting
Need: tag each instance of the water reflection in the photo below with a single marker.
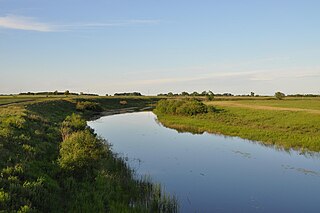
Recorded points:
(214, 173)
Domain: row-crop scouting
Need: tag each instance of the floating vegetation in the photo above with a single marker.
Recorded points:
(243, 154)
(302, 170)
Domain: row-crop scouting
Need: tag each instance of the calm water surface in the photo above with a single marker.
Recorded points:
(213, 173)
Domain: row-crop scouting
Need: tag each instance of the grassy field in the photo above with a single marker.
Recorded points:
(51, 161)
(8, 100)
(292, 123)
(296, 103)
(13, 99)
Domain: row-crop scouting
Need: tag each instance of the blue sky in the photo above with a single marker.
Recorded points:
(154, 46)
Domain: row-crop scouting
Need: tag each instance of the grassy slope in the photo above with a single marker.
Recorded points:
(31, 179)
(287, 129)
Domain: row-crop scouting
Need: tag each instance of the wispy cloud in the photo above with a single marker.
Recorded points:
(24, 23)
(254, 75)
(288, 73)
(101, 25)
(31, 24)
(210, 76)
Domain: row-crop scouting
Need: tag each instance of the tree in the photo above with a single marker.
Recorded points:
(210, 96)
(195, 93)
(204, 93)
(184, 93)
(55, 92)
(252, 94)
(279, 95)
(67, 92)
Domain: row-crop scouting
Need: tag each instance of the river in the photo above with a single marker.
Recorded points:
(214, 173)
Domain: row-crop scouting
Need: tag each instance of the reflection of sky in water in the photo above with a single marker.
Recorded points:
(212, 172)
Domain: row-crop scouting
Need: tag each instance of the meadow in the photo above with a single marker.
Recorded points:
(291, 123)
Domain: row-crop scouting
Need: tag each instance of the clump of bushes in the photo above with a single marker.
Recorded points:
(181, 107)
(81, 150)
(81, 153)
(72, 124)
(88, 105)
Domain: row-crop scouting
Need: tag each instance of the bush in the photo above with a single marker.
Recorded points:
(87, 105)
(192, 108)
(72, 124)
(81, 153)
(181, 107)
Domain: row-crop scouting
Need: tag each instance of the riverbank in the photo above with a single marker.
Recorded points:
(288, 129)
(37, 175)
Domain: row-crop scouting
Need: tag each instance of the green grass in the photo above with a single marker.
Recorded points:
(15, 99)
(33, 179)
(285, 129)
(4, 101)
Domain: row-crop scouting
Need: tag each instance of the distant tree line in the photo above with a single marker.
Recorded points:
(209, 94)
(88, 94)
(204, 93)
(128, 94)
(67, 92)
(280, 95)
(49, 93)
(303, 95)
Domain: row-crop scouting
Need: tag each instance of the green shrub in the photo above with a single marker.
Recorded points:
(81, 153)
(24, 209)
(181, 107)
(4, 199)
(72, 124)
(192, 108)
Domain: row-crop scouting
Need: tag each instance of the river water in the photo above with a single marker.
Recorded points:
(214, 173)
